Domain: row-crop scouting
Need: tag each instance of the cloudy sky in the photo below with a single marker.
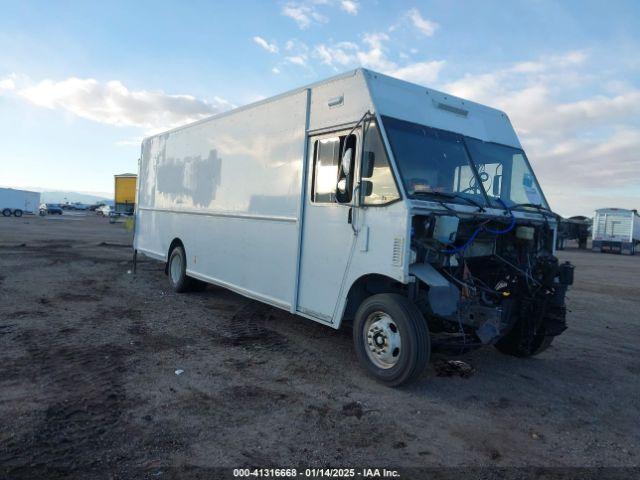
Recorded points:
(82, 82)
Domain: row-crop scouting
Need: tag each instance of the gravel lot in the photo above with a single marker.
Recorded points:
(88, 356)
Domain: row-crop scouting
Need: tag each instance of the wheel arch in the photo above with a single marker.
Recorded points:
(366, 286)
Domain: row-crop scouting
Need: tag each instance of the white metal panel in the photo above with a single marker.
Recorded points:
(385, 226)
(229, 189)
(351, 88)
(407, 101)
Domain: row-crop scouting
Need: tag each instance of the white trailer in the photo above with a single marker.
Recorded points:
(366, 200)
(616, 230)
(18, 202)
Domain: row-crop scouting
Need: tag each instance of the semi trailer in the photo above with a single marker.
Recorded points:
(18, 202)
(573, 228)
(616, 230)
(411, 216)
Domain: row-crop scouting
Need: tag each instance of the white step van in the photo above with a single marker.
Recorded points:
(408, 214)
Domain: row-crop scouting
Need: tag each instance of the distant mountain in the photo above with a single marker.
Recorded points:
(72, 197)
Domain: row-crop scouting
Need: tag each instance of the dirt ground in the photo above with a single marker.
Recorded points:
(89, 354)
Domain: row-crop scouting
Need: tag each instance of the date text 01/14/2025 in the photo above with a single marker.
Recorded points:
(316, 473)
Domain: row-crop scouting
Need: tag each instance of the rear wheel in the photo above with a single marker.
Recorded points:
(6, 212)
(391, 338)
(177, 272)
(17, 213)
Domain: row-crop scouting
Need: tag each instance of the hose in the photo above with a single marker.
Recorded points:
(477, 231)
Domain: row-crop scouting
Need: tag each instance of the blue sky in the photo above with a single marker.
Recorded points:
(82, 82)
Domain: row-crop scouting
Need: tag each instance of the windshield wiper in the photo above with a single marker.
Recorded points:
(541, 208)
(452, 195)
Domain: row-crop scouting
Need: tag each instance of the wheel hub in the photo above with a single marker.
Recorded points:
(383, 340)
(175, 268)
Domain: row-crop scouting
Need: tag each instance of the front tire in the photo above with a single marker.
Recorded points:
(391, 339)
(513, 343)
(17, 213)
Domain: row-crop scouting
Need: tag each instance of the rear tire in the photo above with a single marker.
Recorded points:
(177, 270)
(6, 212)
(17, 213)
(391, 339)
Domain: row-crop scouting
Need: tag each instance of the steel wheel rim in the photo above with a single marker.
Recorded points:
(382, 340)
(175, 268)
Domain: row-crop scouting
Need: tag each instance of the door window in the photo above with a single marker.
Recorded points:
(383, 186)
(333, 169)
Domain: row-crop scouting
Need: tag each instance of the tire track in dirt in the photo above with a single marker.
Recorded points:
(85, 399)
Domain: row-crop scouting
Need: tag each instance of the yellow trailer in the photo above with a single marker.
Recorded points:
(125, 192)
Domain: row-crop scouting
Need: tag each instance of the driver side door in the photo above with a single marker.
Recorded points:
(327, 234)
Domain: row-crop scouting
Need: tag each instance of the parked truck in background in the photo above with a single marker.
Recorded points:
(573, 228)
(411, 215)
(125, 193)
(18, 202)
(616, 230)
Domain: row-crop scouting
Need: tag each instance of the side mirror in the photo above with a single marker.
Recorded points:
(497, 185)
(368, 161)
(341, 187)
(346, 161)
(366, 188)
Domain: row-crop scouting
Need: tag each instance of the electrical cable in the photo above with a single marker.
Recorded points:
(477, 231)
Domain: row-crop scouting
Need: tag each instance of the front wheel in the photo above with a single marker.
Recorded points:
(17, 213)
(391, 338)
(515, 343)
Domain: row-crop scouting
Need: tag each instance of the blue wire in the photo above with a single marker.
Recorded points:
(501, 232)
(477, 231)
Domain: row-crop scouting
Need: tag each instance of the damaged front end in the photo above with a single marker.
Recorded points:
(489, 280)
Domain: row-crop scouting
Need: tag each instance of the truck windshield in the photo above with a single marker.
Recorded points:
(433, 162)
(505, 175)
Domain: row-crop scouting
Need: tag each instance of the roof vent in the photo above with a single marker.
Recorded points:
(336, 101)
(450, 108)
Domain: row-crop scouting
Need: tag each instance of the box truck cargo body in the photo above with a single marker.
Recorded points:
(18, 202)
(125, 192)
(410, 214)
(616, 230)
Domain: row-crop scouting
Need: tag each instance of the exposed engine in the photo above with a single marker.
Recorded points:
(489, 281)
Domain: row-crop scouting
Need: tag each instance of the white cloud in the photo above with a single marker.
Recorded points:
(275, 70)
(578, 143)
(375, 57)
(8, 83)
(269, 47)
(130, 142)
(300, 60)
(113, 103)
(342, 53)
(426, 27)
(420, 72)
(350, 6)
(303, 14)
